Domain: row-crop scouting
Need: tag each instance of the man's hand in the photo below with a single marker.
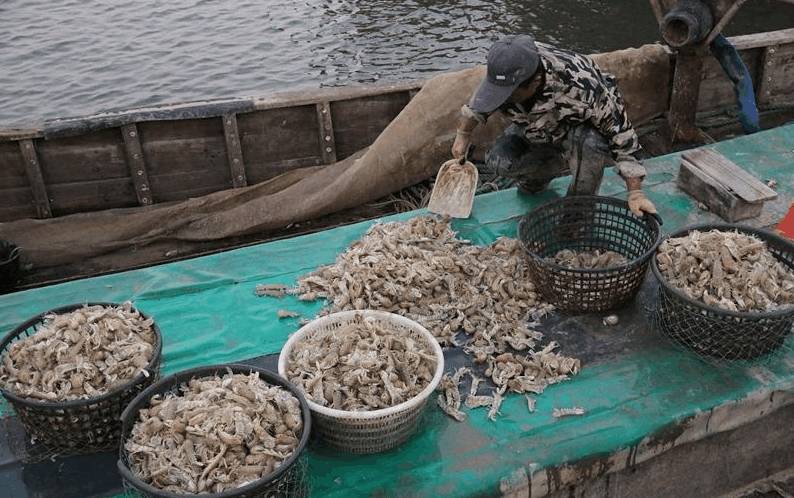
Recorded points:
(639, 204)
(461, 144)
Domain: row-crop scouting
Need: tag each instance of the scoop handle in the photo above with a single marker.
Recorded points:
(469, 152)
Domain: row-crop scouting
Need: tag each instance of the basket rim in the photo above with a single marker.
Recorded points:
(381, 412)
(178, 378)
(758, 232)
(602, 271)
(151, 368)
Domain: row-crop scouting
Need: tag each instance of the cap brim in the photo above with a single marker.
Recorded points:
(489, 97)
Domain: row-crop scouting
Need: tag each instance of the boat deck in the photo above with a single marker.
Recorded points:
(644, 398)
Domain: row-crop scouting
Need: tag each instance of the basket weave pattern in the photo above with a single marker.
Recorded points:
(288, 481)
(715, 333)
(377, 430)
(76, 426)
(587, 223)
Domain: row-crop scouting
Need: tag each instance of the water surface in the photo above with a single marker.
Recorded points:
(75, 57)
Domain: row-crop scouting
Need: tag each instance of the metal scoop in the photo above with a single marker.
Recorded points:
(453, 192)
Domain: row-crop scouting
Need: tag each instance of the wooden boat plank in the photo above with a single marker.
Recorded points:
(16, 212)
(261, 172)
(15, 134)
(166, 131)
(296, 98)
(326, 133)
(172, 186)
(67, 198)
(775, 86)
(12, 166)
(35, 178)
(716, 90)
(179, 156)
(21, 198)
(180, 195)
(70, 160)
(758, 40)
(167, 112)
(234, 152)
(357, 123)
(274, 138)
(136, 163)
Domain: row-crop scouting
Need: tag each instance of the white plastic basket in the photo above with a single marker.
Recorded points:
(376, 430)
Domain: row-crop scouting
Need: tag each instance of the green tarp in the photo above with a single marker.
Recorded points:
(208, 313)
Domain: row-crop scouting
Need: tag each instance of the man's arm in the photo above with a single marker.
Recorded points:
(468, 122)
(612, 121)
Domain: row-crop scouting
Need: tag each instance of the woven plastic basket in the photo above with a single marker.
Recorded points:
(289, 480)
(77, 426)
(377, 430)
(715, 333)
(586, 223)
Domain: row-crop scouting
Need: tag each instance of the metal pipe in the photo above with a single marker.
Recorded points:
(687, 24)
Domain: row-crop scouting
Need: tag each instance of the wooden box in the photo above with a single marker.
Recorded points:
(726, 189)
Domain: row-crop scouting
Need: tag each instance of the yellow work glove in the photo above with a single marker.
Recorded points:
(639, 204)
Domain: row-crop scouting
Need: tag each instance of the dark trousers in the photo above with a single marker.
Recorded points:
(583, 153)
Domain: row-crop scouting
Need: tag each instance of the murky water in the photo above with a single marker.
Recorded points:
(75, 57)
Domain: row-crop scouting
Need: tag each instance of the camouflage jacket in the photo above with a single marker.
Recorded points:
(575, 91)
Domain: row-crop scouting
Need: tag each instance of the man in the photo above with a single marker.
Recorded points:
(567, 116)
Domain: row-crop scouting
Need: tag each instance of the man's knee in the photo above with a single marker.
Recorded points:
(504, 157)
(588, 154)
(591, 142)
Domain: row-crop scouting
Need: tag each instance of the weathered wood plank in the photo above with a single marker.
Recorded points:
(234, 151)
(16, 213)
(37, 186)
(93, 156)
(68, 198)
(16, 134)
(311, 97)
(136, 164)
(272, 138)
(170, 187)
(684, 98)
(357, 123)
(21, 197)
(16, 203)
(703, 187)
(761, 40)
(327, 140)
(194, 151)
(776, 75)
(12, 167)
(729, 175)
(716, 90)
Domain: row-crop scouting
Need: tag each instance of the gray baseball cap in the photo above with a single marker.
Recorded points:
(511, 61)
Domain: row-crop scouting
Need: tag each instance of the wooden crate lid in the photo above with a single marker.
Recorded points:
(726, 173)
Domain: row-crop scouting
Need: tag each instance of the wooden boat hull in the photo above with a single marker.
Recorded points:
(170, 153)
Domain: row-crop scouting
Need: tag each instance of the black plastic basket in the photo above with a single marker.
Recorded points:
(289, 480)
(586, 223)
(76, 426)
(9, 265)
(719, 334)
